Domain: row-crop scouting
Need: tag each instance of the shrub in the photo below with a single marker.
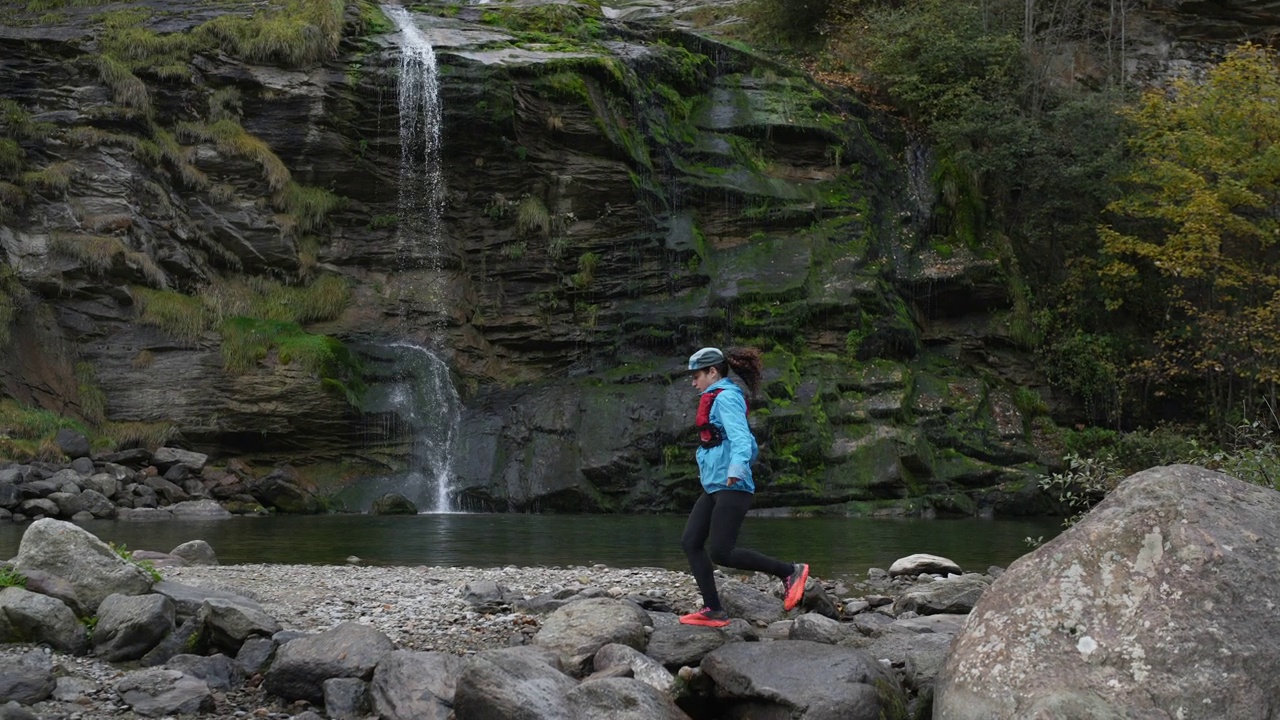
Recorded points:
(11, 578)
(138, 434)
(55, 178)
(532, 216)
(231, 139)
(298, 34)
(182, 316)
(308, 206)
(125, 87)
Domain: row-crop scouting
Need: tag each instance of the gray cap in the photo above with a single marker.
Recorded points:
(705, 358)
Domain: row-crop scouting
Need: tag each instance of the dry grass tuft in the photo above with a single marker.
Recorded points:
(126, 88)
(54, 179)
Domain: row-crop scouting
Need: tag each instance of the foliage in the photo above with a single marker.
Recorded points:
(532, 217)
(296, 33)
(127, 89)
(232, 139)
(1198, 229)
(12, 294)
(11, 578)
(55, 178)
(182, 316)
(1084, 483)
(1251, 453)
(146, 566)
(800, 23)
(248, 341)
(99, 254)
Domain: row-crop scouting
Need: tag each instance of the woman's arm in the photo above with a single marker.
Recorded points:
(732, 412)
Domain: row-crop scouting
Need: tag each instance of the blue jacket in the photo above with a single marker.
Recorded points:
(733, 457)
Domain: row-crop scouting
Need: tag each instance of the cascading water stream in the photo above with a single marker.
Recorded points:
(421, 200)
(423, 395)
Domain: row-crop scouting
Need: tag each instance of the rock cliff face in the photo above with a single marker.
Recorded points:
(204, 234)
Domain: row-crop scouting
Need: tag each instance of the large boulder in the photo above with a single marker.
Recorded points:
(519, 683)
(802, 680)
(1159, 604)
(92, 568)
(409, 685)
(577, 630)
(948, 595)
(622, 699)
(131, 625)
(26, 616)
(158, 692)
(350, 650)
(282, 489)
(26, 678)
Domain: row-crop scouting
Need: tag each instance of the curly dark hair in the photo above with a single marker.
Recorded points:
(747, 364)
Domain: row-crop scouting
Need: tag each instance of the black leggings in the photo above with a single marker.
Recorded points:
(710, 536)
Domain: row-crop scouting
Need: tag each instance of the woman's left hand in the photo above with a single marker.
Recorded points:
(732, 480)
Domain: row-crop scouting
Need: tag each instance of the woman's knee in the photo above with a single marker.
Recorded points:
(691, 545)
(720, 554)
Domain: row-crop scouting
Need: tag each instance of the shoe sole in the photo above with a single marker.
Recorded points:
(705, 623)
(796, 593)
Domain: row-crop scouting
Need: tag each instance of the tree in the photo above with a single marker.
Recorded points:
(1199, 227)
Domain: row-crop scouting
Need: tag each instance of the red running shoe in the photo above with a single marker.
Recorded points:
(706, 617)
(793, 586)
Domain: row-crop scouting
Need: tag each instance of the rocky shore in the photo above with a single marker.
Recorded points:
(229, 626)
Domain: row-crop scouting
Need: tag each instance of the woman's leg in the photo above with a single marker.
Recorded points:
(694, 545)
(726, 521)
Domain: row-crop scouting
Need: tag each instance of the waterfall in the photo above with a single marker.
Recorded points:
(421, 192)
(423, 395)
(430, 404)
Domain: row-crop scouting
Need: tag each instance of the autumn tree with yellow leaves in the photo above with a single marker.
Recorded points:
(1192, 249)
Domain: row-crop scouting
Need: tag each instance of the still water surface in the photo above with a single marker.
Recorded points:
(836, 547)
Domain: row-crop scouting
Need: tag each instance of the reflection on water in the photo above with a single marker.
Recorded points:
(836, 547)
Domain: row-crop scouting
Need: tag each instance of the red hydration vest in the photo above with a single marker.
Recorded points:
(709, 435)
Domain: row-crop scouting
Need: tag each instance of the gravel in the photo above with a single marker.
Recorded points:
(419, 608)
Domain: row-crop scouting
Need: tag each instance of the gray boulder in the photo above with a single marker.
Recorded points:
(409, 685)
(301, 666)
(157, 692)
(26, 616)
(255, 655)
(802, 680)
(72, 444)
(675, 646)
(743, 601)
(948, 595)
(92, 568)
(818, 628)
(199, 510)
(393, 504)
(229, 623)
(166, 457)
(218, 671)
(520, 683)
(919, 656)
(97, 504)
(577, 630)
(913, 565)
(1153, 605)
(26, 678)
(197, 552)
(347, 699)
(621, 699)
(281, 489)
(641, 666)
(187, 599)
(131, 625)
(486, 596)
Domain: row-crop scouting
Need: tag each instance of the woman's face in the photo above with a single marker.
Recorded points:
(703, 379)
